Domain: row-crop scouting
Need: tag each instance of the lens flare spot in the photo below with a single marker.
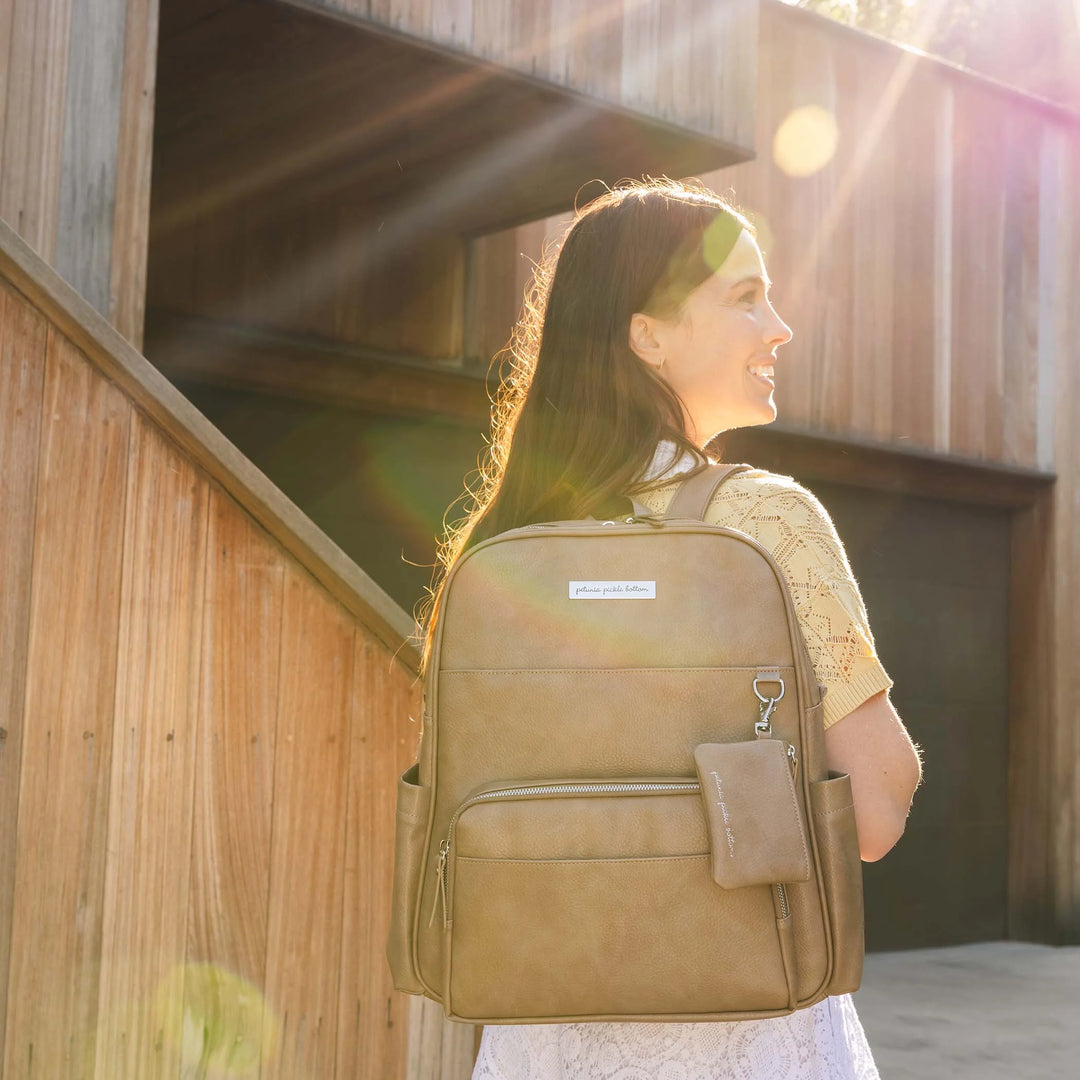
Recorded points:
(718, 240)
(220, 1022)
(805, 141)
(763, 230)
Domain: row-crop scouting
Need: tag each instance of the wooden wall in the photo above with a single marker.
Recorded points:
(928, 271)
(205, 709)
(690, 63)
(76, 118)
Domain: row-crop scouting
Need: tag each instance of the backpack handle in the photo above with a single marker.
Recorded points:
(696, 491)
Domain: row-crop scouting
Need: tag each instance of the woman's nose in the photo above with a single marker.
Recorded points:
(778, 332)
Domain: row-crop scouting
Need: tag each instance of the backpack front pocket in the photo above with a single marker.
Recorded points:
(594, 899)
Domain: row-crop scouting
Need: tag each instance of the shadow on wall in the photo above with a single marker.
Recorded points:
(377, 485)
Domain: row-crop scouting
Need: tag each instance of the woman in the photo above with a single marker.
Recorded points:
(647, 334)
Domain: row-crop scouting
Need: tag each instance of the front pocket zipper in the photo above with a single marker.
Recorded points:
(781, 895)
(587, 788)
(602, 787)
(616, 786)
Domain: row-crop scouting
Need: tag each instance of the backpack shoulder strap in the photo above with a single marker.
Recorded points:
(694, 494)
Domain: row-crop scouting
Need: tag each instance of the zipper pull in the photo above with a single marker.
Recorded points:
(440, 892)
(793, 757)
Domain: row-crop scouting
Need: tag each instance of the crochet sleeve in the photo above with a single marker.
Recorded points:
(791, 523)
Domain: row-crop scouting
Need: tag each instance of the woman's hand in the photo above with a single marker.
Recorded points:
(873, 747)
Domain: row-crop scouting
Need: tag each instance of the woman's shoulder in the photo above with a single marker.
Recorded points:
(750, 491)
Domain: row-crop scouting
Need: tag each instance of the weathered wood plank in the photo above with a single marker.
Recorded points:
(1064, 775)
(943, 210)
(147, 860)
(234, 786)
(1020, 297)
(22, 370)
(835, 385)
(308, 837)
(76, 112)
(30, 159)
(971, 249)
(385, 733)
(1033, 669)
(913, 311)
(91, 122)
(68, 721)
(131, 221)
(875, 224)
(439, 1049)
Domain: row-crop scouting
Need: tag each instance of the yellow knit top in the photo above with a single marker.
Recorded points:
(795, 528)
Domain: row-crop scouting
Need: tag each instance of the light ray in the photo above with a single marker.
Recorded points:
(867, 145)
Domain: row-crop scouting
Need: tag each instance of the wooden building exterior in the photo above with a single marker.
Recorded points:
(207, 701)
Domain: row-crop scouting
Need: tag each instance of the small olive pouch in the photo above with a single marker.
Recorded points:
(756, 830)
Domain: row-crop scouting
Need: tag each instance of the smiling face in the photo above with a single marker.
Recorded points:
(718, 351)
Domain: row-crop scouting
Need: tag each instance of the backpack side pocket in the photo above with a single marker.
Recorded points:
(411, 824)
(841, 869)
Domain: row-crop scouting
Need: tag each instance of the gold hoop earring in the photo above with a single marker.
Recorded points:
(660, 366)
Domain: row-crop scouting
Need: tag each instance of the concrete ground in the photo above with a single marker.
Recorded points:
(1000, 1009)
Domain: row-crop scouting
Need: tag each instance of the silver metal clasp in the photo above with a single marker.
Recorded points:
(763, 727)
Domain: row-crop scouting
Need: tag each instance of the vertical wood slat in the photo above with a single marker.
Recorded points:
(233, 790)
(1065, 746)
(1033, 668)
(1054, 294)
(131, 221)
(76, 102)
(835, 387)
(914, 274)
(1020, 291)
(83, 255)
(68, 722)
(385, 732)
(308, 838)
(22, 369)
(451, 22)
(36, 62)
(640, 50)
(147, 858)
(978, 209)
(943, 204)
(875, 227)
(439, 1049)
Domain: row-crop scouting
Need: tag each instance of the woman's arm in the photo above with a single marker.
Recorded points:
(873, 747)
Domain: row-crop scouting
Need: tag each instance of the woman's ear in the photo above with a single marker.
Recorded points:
(642, 339)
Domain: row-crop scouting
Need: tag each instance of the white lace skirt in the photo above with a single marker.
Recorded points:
(823, 1042)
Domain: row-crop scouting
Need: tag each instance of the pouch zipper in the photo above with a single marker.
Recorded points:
(781, 892)
(612, 786)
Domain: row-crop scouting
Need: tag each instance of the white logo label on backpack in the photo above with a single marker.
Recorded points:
(612, 590)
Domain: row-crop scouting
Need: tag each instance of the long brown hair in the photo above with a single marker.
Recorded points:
(577, 416)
